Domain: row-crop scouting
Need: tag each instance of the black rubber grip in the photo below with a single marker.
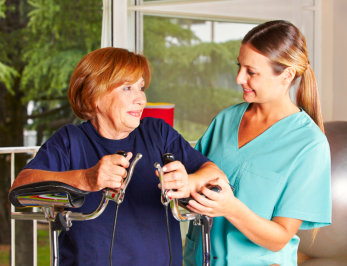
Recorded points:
(168, 158)
(124, 153)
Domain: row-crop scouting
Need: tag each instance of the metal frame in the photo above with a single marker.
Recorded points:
(12, 151)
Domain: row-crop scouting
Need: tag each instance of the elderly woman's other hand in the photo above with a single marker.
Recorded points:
(176, 180)
(108, 172)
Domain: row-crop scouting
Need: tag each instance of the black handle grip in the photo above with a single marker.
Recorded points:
(124, 153)
(213, 188)
(184, 201)
(168, 158)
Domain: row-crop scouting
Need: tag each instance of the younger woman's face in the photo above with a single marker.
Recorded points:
(259, 83)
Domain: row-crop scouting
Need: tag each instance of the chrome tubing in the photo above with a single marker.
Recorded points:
(53, 245)
(164, 198)
(178, 213)
(174, 203)
(118, 195)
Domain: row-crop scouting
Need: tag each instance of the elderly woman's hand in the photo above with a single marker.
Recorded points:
(176, 180)
(108, 172)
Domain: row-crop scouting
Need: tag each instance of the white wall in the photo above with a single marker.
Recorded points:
(340, 61)
(334, 60)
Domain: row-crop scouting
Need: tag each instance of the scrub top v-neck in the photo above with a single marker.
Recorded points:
(284, 171)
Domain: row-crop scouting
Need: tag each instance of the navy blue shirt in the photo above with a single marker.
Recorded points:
(141, 237)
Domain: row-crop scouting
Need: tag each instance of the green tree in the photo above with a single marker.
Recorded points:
(41, 42)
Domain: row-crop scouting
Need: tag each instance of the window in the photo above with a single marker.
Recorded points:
(194, 67)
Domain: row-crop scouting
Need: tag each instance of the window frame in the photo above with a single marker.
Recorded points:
(305, 14)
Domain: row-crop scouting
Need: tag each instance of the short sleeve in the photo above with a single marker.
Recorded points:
(307, 194)
(206, 141)
(53, 155)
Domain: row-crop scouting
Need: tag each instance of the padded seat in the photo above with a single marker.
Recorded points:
(47, 194)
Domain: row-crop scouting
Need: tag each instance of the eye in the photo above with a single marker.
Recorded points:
(142, 88)
(251, 73)
(127, 88)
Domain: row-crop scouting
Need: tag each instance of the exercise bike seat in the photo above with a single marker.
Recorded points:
(47, 194)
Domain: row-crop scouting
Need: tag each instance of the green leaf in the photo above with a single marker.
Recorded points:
(7, 75)
(2, 9)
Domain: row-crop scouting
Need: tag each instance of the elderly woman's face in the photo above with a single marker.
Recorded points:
(119, 111)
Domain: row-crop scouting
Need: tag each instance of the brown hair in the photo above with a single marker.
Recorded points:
(101, 71)
(285, 46)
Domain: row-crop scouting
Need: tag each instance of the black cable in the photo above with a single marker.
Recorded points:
(113, 233)
(168, 233)
(167, 158)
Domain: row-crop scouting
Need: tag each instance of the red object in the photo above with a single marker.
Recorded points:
(164, 111)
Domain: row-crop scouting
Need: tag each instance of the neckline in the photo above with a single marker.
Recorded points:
(262, 134)
(99, 138)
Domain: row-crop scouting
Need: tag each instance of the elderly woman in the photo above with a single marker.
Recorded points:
(107, 89)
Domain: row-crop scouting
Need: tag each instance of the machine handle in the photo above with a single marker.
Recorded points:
(118, 196)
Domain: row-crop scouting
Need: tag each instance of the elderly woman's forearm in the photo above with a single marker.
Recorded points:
(207, 172)
(28, 176)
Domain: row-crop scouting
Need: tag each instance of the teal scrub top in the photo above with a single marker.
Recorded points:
(285, 171)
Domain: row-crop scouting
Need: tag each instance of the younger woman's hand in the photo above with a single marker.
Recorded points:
(213, 203)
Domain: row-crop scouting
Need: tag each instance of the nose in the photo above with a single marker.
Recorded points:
(140, 98)
(241, 76)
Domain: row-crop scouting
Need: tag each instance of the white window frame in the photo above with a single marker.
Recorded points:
(305, 14)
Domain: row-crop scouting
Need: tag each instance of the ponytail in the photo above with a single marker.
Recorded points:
(307, 96)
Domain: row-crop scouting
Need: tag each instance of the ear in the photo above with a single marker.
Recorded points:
(288, 75)
(96, 104)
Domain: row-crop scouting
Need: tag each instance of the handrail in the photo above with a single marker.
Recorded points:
(28, 149)
(12, 151)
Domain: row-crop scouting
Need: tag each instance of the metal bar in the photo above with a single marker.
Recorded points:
(28, 216)
(13, 242)
(53, 243)
(112, 42)
(34, 241)
(13, 224)
(12, 151)
(138, 29)
(29, 149)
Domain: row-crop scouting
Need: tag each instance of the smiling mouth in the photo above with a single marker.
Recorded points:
(247, 90)
(135, 113)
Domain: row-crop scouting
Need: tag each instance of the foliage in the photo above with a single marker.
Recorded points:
(7, 75)
(2, 8)
(42, 54)
(64, 31)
